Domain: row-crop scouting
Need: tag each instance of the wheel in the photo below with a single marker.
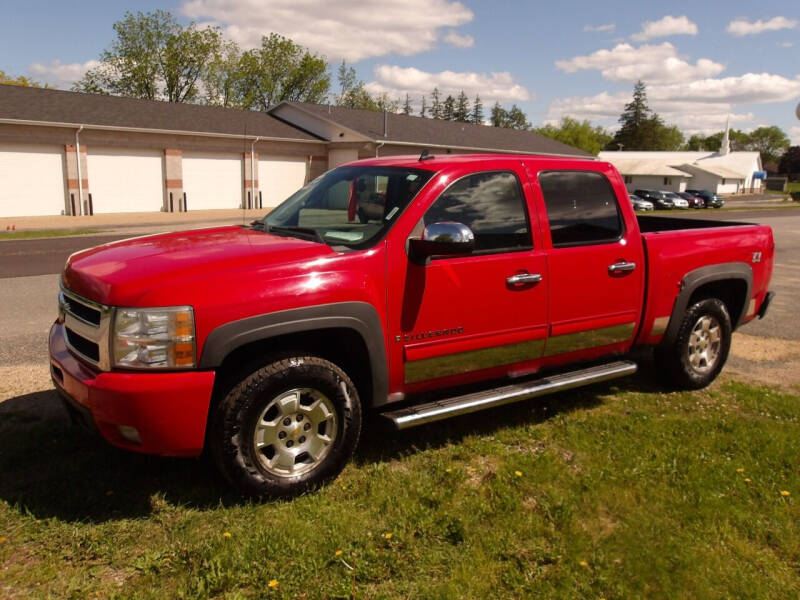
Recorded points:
(287, 428)
(700, 349)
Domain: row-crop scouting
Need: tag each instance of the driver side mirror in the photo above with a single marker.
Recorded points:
(441, 239)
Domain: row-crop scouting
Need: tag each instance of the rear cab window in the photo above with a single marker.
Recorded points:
(581, 208)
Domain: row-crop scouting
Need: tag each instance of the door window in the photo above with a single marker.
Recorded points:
(491, 205)
(581, 208)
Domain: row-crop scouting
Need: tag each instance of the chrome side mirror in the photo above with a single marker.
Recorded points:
(442, 239)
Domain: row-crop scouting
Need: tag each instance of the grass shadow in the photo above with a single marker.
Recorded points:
(53, 469)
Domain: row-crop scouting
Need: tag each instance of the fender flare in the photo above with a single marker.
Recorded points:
(361, 317)
(699, 277)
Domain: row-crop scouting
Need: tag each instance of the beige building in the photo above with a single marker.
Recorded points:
(138, 155)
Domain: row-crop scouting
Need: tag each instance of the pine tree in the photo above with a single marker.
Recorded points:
(499, 116)
(407, 106)
(477, 111)
(642, 129)
(516, 119)
(436, 104)
(449, 108)
(461, 112)
(423, 111)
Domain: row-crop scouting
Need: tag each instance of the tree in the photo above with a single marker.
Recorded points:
(580, 134)
(516, 119)
(449, 108)
(499, 116)
(461, 112)
(407, 106)
(222, 80)
(20, 80)
(477, 111)
(790, 161)
(436, 104)
(154, 57)
(771, 142)
(282, 70)
(423, 110)
(642, 129)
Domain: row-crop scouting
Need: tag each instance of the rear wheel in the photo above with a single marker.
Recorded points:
(287, 428)
(700, 349)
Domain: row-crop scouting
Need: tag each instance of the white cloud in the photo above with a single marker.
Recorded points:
(651, 63)
(756, 88)
(399, 81)
(742, 27)
(459, 41)
(349, 29)
(60, 74)
(667, 26)
(600, 28)
(785, 44)
(794, 135)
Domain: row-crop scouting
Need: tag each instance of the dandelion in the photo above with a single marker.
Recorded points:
(518, 473)
(448, 470)
(226, 535)
(2, 540)
(747, 480)
(583, 563)
(338, 553)
(740, 470)
(784, 493)
(273, 583)
(387, 536)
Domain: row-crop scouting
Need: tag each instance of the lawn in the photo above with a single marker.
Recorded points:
(615, 491)
(45, 233)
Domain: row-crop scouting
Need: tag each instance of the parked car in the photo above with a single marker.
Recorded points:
(640, 203)
(658, 199)
(677, 201)
(268, 343)
(694, 201)
(711, 200)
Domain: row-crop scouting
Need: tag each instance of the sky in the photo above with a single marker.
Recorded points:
(703, 62)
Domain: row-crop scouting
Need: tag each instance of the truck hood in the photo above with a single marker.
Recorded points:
(119, 273)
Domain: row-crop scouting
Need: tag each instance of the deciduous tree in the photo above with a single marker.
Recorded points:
(580, 134)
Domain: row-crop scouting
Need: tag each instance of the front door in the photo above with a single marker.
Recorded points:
(458, 319)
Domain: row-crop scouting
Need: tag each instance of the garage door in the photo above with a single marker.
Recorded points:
(279, 178)
(31, 180)
(212, 180)
(125, 179)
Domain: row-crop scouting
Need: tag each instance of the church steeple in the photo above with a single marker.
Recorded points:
(725, 147)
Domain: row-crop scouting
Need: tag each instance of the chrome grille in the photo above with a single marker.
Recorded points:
(87, 325)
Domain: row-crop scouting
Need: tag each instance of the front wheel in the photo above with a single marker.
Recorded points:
(287, 428)
(700, 349)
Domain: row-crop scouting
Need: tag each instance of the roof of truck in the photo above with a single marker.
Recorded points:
(439, 161)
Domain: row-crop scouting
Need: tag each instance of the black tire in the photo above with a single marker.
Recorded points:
(241, 412)
(678, 365)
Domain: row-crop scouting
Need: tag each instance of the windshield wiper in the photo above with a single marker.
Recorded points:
(258, 225)
(303, 232)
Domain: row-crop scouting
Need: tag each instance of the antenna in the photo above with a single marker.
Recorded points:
(425, 155)
(244, 158)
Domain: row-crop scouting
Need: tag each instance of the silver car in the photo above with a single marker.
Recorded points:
(676, 200)
(640, 203)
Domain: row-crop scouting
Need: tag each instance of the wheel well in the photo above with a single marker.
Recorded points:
(341, 346)
(732, 293)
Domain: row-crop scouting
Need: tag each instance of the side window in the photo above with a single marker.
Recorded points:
(581, 208)
(491, 205)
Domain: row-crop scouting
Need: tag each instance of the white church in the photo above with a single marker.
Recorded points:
(722, 172)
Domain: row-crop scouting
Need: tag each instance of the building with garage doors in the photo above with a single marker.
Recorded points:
(139, 155)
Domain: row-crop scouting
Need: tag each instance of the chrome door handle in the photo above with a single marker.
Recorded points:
(621, 267)
(521, 278)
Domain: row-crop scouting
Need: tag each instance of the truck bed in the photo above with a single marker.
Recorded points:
(648, 224)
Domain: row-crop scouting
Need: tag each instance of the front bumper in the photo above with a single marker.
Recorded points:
(168, 410)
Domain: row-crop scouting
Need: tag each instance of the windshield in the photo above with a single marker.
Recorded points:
(352, 206)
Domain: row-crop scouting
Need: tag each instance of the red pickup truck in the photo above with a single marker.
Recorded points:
(419, 288)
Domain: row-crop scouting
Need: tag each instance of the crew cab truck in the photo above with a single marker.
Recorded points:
(417, 287)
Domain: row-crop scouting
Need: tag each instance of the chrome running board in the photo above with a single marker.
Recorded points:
(468, 403)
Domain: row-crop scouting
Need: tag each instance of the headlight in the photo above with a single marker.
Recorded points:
(154, 338)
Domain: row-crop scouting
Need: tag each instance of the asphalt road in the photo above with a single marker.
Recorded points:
(29, 279)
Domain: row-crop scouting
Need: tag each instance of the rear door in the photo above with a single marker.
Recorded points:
(595, 259)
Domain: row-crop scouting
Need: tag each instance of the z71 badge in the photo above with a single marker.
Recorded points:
(433, 333)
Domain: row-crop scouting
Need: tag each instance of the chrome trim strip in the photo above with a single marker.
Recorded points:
(659, 325)
(472, 360)
(592, 338)
(98, 334)
(460, 405)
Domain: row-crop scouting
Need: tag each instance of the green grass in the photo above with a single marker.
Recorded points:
(622, 492)
(43, 233)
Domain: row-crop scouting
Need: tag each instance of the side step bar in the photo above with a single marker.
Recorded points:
(468, 403)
